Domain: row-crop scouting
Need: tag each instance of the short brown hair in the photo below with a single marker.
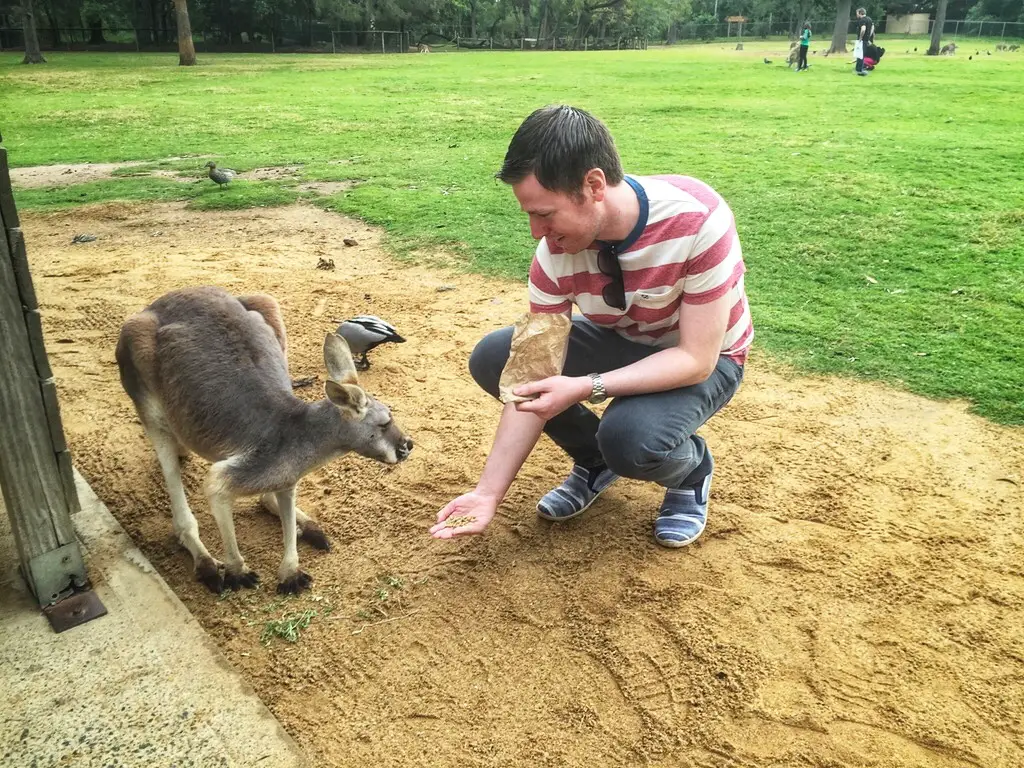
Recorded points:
(558, 145)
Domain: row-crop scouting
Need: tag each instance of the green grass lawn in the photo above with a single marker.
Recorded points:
(882, 218)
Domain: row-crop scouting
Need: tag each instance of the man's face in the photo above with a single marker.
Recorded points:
(570, 223)
(860, 14)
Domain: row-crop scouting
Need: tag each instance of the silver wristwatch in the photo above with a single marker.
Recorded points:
(597, 392)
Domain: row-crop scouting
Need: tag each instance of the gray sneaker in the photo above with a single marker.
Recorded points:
(572, 498)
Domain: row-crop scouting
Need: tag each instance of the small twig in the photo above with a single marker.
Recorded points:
(385, 621)
(760, 418)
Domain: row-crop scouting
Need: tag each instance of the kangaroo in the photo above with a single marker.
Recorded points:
(208, 373)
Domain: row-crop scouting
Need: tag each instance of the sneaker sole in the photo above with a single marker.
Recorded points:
(550, 519)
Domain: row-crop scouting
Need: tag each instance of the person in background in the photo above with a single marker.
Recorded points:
(865, 29)
(805, 43)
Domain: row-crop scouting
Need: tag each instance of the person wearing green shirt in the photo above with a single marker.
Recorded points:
(805, 43)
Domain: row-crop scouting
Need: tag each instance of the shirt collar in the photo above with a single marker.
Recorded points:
(641, 222)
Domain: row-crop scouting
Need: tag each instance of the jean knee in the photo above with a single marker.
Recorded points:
(633, 452)
(624, 450)
(488, 359)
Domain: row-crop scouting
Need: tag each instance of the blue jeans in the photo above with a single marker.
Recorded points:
(647, 437)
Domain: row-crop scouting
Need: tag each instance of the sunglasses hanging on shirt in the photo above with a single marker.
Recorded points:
(614, 293)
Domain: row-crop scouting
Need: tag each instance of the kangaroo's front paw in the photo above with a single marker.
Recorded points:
(244, 578)
(314, 535)
(208, 572)
(294, 584)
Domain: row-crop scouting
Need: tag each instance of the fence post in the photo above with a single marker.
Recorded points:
(334, 48)
(35, 465)
(1001, 34)
(382, 43)
(273, 48)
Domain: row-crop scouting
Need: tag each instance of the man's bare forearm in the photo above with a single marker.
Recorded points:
(517, 434)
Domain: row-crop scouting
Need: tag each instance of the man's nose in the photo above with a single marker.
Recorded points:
(537, 227)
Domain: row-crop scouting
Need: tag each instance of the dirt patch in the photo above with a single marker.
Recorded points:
(328, 187)
(79, 173)
(63, 175)
(856, 600)
(275, 173)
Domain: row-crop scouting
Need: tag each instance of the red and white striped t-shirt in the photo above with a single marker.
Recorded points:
(687, 253)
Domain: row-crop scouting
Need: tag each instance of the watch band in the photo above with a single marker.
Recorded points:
(598, 394)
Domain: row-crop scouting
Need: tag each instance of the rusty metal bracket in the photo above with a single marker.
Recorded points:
(53, 574)
(71, 611)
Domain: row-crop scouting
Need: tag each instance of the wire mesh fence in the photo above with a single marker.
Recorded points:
(753, 30)
(321, 38)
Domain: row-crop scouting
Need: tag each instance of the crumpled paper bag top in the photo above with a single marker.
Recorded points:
(539, 344)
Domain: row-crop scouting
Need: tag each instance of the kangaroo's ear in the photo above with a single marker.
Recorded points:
(338, 359)
(349, 398)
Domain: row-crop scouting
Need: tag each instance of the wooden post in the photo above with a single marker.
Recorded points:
(35, 465)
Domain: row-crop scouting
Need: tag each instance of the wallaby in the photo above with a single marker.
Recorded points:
(208, 373)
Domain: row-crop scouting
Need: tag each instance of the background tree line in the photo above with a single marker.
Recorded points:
(236, 21)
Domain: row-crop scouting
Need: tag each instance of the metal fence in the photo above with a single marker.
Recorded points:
(320, 38)
(753, 30)
(316, 38)
(964, 28)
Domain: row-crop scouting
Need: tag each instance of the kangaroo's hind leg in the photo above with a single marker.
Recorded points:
(309, 530)
(290, 579)
(186, 529)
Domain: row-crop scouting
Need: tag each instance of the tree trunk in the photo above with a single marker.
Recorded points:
(32, 53)
(186, 48)
(96, 31)
(940, 21)
(54, 26)
(842, 24)
(472, 20)
(544, 30)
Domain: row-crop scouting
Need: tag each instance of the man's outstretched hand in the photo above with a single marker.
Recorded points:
(470, 513)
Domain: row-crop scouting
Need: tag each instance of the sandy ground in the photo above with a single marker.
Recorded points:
(79, 173)
(855, 601)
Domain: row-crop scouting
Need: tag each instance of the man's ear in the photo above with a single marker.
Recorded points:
(595, 185)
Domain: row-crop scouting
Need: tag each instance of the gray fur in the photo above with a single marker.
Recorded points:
(207, 373)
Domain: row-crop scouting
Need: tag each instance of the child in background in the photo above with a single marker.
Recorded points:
(805, 43)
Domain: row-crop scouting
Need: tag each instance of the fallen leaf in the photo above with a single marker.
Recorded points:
(870, 279)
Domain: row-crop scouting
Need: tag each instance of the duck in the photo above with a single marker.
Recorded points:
(220, 175)
(365, 332)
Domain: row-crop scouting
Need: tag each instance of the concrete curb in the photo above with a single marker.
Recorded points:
(142, 686)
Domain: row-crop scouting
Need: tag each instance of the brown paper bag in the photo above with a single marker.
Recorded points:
(539, 344)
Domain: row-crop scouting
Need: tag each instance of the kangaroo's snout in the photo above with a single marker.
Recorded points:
(404, 449)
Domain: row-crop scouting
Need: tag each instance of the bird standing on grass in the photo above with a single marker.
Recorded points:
(365, 332)
(220, 175)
